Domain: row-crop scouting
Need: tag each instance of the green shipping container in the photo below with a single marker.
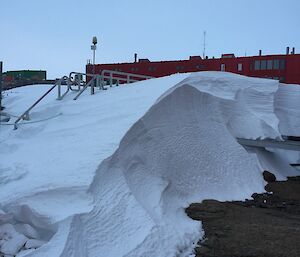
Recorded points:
(34, 75)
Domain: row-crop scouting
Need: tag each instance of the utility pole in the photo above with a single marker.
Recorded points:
(204, 43)
(93, 47)
(1, 66)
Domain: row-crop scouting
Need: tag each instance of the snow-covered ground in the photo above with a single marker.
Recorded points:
(111, 174)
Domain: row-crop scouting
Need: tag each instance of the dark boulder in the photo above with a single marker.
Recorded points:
(268, 176)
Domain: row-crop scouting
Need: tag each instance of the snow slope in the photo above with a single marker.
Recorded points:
(182, 150)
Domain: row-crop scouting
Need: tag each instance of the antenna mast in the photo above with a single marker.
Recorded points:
(204, 43)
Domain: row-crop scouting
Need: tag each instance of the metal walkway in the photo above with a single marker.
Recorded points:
(271, 143)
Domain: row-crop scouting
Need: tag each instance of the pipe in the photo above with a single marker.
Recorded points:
(287, 50)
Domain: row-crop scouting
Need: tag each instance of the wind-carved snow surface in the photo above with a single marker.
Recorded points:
(182, 150)
(287, 106)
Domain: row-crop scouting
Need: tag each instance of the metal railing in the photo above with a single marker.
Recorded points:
(25, 115)
(119, 76)
(95, 80)
(59, 84)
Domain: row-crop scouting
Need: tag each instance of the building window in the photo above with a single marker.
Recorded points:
(269, 64)
(133, 69)
(240, 66)
(276, 64)
(179, 68)
(257, 65)
(263, 65)
(152, 69)
(222, 67)
(282, 64)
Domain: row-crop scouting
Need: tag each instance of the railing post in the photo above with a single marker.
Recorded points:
(128, 79)
(92, 86)
(110, 79)
(98, 82)
(59, 91)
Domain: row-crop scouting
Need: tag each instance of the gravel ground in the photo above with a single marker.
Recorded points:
(268, 225)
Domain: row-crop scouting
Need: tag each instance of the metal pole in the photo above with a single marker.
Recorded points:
(1, 65)
(94, 54)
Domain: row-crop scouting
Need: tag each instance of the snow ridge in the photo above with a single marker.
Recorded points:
(182, 150)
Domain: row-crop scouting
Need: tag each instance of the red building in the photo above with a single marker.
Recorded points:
(283, 67)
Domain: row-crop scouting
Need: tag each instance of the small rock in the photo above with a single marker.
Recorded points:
(269, 177)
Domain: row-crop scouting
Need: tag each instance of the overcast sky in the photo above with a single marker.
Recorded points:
(56, 35)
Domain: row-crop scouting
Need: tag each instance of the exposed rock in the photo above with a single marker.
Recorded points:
(266, 226)
(269, 177)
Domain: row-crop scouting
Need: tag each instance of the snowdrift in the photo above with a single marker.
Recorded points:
(182, 150)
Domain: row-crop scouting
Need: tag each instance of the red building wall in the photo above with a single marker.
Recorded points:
(285, 68)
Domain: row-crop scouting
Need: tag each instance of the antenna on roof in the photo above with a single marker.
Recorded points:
(204, 43)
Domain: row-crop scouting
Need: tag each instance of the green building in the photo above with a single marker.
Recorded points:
(26, 75)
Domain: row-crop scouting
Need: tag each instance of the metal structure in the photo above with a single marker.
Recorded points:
(118, 77)
(108, 77)
(68, 82)
(25, 115)
(271, 143)
(204, 44)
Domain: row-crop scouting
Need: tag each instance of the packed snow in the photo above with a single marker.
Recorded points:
(111, 174)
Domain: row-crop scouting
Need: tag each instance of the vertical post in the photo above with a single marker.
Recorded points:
(110, 79)
(59, 90)
(94, 55)
(93, 82)
(1, 65)
(94, 47)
